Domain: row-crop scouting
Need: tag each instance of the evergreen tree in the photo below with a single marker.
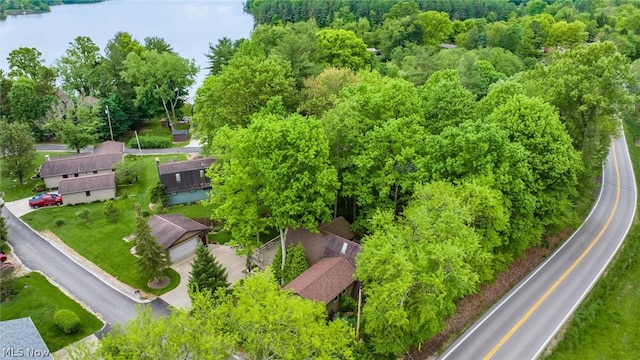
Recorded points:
(294, 265)
(152, 261)
(207, 274)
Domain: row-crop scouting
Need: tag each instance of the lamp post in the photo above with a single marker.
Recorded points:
(106, 111)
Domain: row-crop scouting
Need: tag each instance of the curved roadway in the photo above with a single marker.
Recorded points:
(522, 323)
(37, 254)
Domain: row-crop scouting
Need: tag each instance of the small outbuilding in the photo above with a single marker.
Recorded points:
(88, 189)
(178, 234)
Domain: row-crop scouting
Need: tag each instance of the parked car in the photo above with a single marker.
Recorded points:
(45, 200)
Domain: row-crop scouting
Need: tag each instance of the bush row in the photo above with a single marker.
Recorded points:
(151, 142)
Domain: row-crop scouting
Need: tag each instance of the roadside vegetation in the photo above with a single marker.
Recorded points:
(607, 324)
(109, 250)
(39, 299)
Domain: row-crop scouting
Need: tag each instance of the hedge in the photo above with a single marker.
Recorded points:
(151, 142)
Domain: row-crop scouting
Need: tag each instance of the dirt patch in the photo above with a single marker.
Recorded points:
(160, 283)
(472, 307)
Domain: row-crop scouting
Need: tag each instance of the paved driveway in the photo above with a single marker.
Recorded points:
(225, 255)
(19, 207)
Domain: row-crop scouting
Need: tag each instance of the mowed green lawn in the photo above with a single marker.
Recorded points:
(607, 324)
(40, 300)
(12, 188)
(101, 241)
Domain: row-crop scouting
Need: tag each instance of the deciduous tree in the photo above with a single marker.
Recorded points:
(342, 49)
(18, 148)
(78, 129)
(78, 68)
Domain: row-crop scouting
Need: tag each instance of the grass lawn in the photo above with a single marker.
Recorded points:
(11, 187)
(607, 324)
(154, 128)
(40, 300)
(101, 241)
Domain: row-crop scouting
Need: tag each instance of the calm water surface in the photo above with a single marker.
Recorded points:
(187, 25)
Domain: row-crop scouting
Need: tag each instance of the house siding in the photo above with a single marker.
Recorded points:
(54, 181)
(96, 195)
(187, 196)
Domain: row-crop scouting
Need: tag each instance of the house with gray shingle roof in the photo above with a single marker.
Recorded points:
(21, 340)
(87, 189)
(100, 161)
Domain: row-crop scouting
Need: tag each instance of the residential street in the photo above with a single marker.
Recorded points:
(523, 323)
(37, 254)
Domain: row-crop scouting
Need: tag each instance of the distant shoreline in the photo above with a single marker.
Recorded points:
(17, 12)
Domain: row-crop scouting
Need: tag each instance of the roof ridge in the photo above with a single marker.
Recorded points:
(171, 223)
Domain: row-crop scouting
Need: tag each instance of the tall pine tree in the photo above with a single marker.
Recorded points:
(153, 261)
(207, 275)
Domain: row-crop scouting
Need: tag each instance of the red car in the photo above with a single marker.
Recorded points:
(45, 200)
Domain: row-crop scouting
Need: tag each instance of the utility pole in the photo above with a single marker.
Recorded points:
(106, 111)
(359, 306)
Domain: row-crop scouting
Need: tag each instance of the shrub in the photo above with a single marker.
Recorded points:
(67, 321)
(151, 142)
(111, 211)
(58, 222)
(127, 171)
(347, 304)
(159, 195)
(84, 214)
(145, 213)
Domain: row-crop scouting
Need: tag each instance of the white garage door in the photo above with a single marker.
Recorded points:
(184, 249)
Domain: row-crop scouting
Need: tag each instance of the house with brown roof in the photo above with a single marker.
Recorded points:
(100, 161)
(332, 256)
(88, 189)
(178, 234)
(185, 181)
(325, 281)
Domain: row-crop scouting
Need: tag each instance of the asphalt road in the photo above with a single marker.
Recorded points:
(522, 323)
(37, 254)
(58, 147)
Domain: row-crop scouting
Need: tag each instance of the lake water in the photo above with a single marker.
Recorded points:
(188, 26)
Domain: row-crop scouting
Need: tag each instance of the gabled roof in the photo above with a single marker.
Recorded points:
(109, 147)
(103, 157)
(321, 245)
(338, 226)
(20, 335)
(87, 183)
(183, 166)
(324, 280)
(169, 228)
(79, 164)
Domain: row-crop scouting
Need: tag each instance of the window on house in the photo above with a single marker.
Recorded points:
(344, 248)
(178, 179)
(95, 172)
(88, 193)
(65, 176)
(75, 175)
(336, 298)
(192, 191)
(201, 174)
(173, 194)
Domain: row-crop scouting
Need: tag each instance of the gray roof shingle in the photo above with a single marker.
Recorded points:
(87, 183)
(183, 166)
(169, 228)
(21, 339)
